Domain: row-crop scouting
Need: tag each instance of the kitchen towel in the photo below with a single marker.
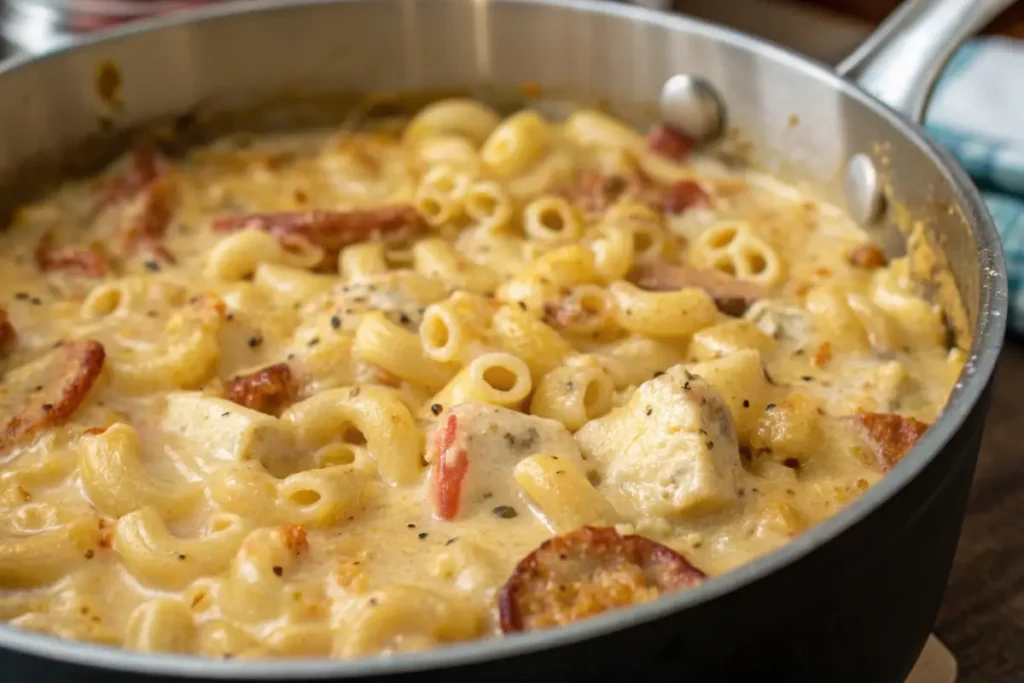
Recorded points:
(977, 113)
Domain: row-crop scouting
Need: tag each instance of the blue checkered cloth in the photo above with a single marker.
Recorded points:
(977, 113)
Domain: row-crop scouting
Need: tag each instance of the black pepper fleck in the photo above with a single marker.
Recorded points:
(47, 407)
(807, 378)
(278, 570)
(769, 407)
(21, 296)
(255, 341)
(436, 408)
(658, 374)
(182, 556)
(505, 512)
(404, 319)
(229, 317)
(421, 535)
(335, 321)
(746, 403)
(522, 305)
(36, 301)
(451, 540)
(313, 342)
(152, 266)
(648, 412)
(410, 526)
(225, 413)
(90, 553)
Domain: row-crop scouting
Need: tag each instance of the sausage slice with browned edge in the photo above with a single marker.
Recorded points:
(330, 230)
(586, 572)
(732, 296)
(47, 392)
(889, 436)
(268, 390)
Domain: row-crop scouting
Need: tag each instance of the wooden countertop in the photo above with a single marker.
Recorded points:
(982, 620)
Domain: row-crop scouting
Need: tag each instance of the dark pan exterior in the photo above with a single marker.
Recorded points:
(852, 599)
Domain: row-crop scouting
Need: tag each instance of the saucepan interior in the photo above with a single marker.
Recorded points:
(785, 113)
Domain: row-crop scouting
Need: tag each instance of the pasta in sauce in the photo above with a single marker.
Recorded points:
(325, 393)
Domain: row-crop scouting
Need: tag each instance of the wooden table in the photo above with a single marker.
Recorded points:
(982, 620)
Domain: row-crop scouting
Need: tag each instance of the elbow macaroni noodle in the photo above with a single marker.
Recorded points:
(263, 464)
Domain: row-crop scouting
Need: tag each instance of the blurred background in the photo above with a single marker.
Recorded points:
(35, 25)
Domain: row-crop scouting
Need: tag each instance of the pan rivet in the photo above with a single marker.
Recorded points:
(690, 103)
(864, 197)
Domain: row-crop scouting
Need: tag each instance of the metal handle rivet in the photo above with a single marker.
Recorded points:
(691, 104)
(864, 197)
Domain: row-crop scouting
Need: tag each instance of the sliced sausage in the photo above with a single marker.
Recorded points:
(145, 166)
(732, 296)
(670, 142)
(268, 390)
(51, 389)
(868, 257)
(586, 572)
(683, 195)
(87, 261)
(330, 230)
(889, 436)
(147, 219)
(8, 335)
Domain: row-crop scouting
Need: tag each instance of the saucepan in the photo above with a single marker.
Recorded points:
(852, 599)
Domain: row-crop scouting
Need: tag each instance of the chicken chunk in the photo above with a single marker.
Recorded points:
(672, 450)
(473, 449)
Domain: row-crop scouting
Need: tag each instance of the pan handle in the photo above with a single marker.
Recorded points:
(901, 61)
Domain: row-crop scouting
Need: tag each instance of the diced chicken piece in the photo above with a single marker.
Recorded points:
(867, 384)
(671, 450)
(788, 325)
(215, 429)
(743, 383)
(474, 448)
(732, 296)
(587, 572)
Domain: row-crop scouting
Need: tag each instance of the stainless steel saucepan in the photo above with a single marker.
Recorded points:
(852, 599)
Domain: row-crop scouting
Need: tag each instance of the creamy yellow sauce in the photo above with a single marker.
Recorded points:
(128, 534)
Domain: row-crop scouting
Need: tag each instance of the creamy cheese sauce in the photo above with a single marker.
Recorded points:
(161, 517)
